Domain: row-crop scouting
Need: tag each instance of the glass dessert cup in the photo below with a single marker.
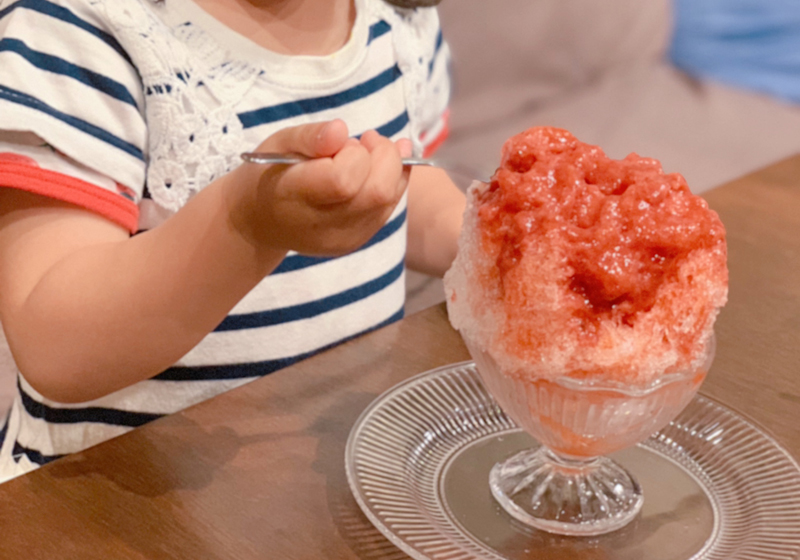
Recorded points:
(567, 486)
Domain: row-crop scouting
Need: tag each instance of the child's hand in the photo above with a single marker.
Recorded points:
(327, 206)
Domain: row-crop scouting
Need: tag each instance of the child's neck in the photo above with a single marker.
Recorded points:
(298, 27)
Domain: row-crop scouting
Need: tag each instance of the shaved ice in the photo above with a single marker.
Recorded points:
(573, 264)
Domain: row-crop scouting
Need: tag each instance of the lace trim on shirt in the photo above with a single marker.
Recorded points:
(192, 86)
(412, 34)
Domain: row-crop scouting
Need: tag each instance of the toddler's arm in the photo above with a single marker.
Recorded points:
(80, 299)
(435, 212)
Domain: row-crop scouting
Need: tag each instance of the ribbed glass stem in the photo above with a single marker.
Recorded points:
(565, 495)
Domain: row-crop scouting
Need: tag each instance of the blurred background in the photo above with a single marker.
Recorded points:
(711, 88)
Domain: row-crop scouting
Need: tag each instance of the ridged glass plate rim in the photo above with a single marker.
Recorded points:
(415, 520)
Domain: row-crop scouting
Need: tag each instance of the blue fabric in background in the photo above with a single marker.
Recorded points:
(754, 44)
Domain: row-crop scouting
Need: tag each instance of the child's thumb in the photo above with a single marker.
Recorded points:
(323, 139)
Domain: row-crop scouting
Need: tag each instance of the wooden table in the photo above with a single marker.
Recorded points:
(259, 472)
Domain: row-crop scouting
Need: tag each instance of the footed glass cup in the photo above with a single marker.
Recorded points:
(567, 486)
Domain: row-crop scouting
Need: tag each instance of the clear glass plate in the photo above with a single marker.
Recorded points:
(418, 462)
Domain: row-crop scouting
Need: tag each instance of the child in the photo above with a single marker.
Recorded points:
(143, 267)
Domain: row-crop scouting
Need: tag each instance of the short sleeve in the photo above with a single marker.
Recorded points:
(66, 83)
(424, 60)
(435, 114)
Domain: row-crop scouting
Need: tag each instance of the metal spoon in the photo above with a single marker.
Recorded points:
(268, 157)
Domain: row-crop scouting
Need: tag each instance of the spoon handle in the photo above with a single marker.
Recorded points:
(268, 158)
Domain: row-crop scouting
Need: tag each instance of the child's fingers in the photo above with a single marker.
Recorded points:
(334, 180)
(349, 171)
(371, 139)
(314, 140)
(405, 147)
(352, 142)
(331, 138)
(387, 179)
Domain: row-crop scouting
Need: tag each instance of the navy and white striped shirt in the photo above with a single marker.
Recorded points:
(129, 107)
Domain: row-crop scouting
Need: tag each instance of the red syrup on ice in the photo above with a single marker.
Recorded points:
(611, 236)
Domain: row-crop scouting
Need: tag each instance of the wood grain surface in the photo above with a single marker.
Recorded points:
(259, 472)
(757, 367)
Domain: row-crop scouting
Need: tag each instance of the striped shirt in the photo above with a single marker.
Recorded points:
(129, 107)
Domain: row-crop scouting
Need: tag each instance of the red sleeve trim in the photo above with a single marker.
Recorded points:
(28, 177)
(434, 144)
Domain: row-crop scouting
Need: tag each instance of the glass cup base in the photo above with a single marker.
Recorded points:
(566, 496)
